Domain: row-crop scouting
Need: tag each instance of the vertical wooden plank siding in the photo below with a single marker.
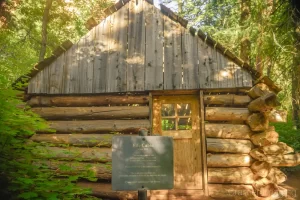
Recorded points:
(101, 56)
(73, 62)
(82, 68)
(238, 76)
(85, 63)
(37, 84)
(56, 75)
(214, 69)
(136, 47)
(204, 53)
(154, 48)
(116, 81)
(247, 79)
(90, 60)
(31, 83)
(40, 83)
(67, 70)
(225, 75)
(189, 61)
(229, 72)
(45, 80)
(172, 55)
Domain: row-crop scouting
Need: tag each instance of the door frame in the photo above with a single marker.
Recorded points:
(200, 95)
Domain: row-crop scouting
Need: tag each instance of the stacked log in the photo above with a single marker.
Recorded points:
(243, 151)
(268, 152)
(228, 146)
(83, 130)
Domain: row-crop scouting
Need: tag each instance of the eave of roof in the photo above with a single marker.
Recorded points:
(256, 75)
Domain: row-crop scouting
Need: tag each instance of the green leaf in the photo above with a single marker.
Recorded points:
(28, 195)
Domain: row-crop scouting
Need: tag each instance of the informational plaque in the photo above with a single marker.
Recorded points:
(142, 162)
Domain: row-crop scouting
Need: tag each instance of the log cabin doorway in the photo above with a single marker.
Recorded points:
(178, 117)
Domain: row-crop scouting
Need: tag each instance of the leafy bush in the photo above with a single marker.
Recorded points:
(19, 177)
(290, 136)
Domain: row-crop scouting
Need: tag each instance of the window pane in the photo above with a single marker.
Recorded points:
(184, 109)
(167, 110)
(168, 124)
(184, 124)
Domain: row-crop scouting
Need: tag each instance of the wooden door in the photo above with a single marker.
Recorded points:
(179, 117)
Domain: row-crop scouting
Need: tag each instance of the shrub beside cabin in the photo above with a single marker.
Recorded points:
(142, 68)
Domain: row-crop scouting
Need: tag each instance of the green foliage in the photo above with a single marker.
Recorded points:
(20, 38)
(269, 28)
(20, 43)
(289, 135)
(27, 180)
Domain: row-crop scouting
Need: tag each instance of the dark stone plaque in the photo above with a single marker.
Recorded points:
(142, 162)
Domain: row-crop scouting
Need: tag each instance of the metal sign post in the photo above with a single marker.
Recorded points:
(142, 193)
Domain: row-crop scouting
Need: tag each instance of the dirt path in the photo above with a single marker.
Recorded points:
(294, 181)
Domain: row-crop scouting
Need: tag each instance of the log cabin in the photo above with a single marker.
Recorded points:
(141, 67)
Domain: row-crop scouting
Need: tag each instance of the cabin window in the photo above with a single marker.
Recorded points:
(176, 116)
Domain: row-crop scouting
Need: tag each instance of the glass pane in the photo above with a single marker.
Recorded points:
(167, 110)
(184, 109)
(168, 124)
(184, 124)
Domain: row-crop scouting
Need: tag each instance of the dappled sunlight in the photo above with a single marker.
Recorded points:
(137, 59)
(55, 138)
(247, 159)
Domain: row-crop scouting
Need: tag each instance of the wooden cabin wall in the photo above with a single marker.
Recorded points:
(242, 150)
(84, 128)
(138, 48)
(242, 162)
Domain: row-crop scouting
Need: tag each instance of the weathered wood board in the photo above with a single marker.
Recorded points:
(154, 48)
(101, 56)
(172, 55)
(117, 65)
(138, 48)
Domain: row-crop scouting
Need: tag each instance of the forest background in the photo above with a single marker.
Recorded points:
(265, 33)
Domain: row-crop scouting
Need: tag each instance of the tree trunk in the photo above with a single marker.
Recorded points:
(296, 66)
(44, 29)
(296, 91)
(245, 41)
